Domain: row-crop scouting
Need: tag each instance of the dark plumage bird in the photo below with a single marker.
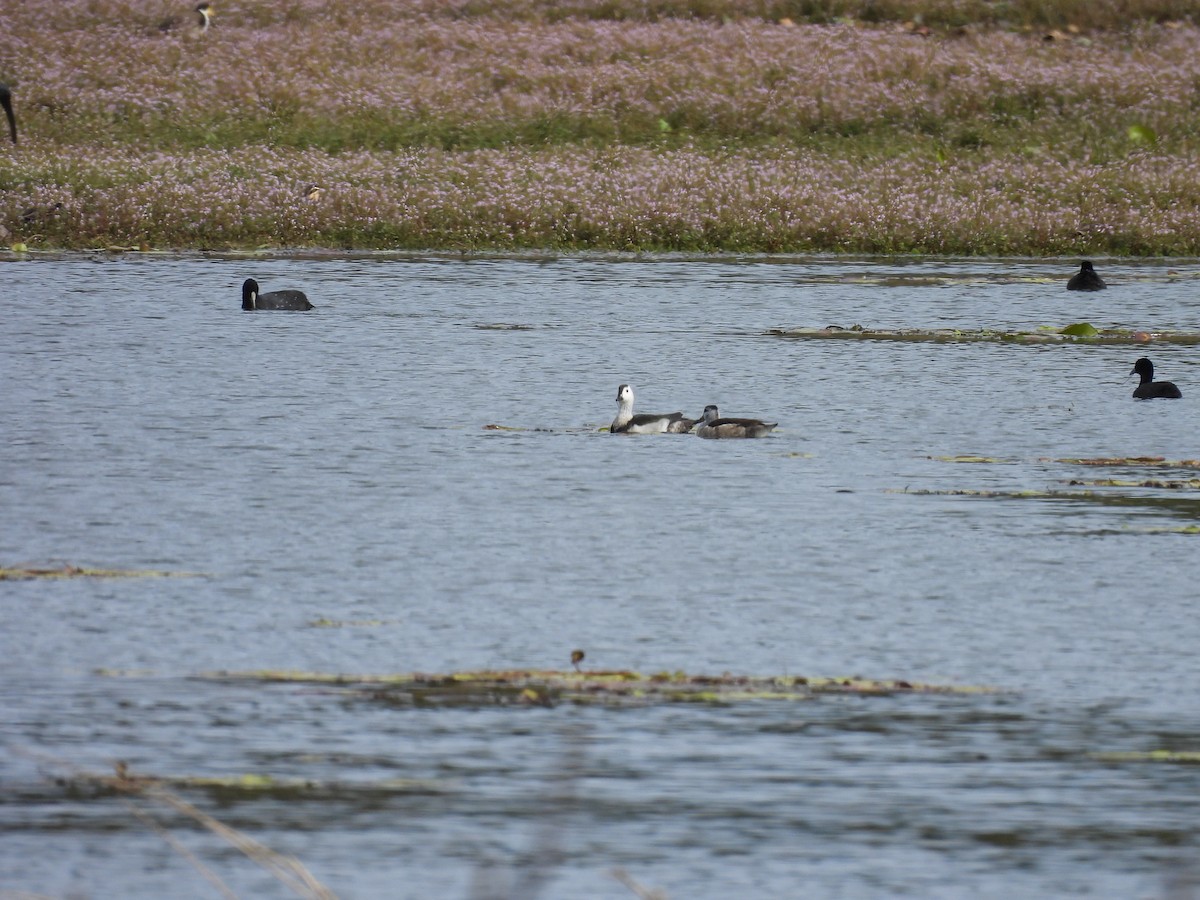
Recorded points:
(1149, 389)
(36, 216)
(1086, 279)
(6, 102)
(198, 23)
(713, 426)
(252, 299)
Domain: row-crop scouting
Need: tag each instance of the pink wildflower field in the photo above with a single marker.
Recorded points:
(481, 126)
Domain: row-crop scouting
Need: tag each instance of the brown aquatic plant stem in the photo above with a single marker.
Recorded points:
(639, 891)
(287, 869)
(158, 828)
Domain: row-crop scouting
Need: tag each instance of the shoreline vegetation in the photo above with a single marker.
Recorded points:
(947, 127)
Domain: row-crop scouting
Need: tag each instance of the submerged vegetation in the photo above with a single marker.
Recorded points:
(931, 126)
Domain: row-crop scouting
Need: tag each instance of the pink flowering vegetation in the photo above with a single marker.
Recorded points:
(476, 124)
(346, 80)
(619, 198)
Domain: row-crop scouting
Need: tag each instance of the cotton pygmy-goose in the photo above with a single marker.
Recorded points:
(1149, 389)
(197, 24)
(713, 426)
(252, 299)
(1086, 279)
(627, 423)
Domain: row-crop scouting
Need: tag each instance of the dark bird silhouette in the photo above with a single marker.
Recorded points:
(576, 658)
(36, 216)
(1086, 279)
(1149, 389)
(6, 102)
(252, 299)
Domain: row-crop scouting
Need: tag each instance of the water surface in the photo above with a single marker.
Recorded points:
(333, 468)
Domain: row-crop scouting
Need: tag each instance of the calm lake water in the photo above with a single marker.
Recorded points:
(330, 477)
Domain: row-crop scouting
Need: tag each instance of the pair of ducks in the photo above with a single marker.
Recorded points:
(711, 425)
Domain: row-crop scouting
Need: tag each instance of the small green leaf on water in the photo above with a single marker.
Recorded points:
(1142, 134)
(255, 781)
(1080, 329)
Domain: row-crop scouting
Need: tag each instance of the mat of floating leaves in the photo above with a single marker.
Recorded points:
(535, 687)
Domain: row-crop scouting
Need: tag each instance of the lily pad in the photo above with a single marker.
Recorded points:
(1080, 329)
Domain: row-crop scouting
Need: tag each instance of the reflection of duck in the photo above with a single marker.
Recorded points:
(627, 423)
(197, 24)
(1149, 389)
(252, 299)
(713, 426)
(1086, 279)
(6, 102)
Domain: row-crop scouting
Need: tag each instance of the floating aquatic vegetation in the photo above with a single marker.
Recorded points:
(1157, 462)
(971, 459)
(1190, 484)
(19, 573)
(248, 786)
(1079, 332)
(1189, 757)
(525, 687)
(1187, 507)
(1080, 329)
(323, 622)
